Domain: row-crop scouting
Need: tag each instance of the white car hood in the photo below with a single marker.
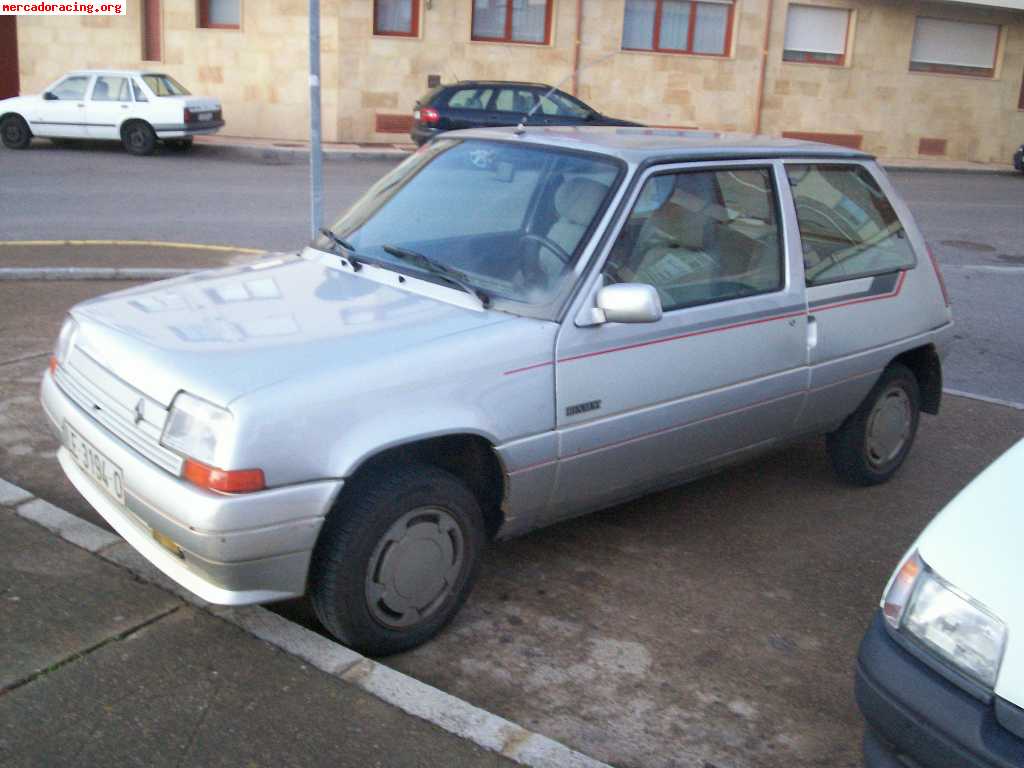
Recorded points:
(977, 544)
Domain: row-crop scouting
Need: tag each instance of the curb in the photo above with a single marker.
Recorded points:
(413, 697)
(11, 274)
(295, 155)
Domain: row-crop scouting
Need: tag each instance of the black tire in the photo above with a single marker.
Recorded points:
(138, 138)
(873, 442)
(15, 133)
(180, 145)
(357, 579)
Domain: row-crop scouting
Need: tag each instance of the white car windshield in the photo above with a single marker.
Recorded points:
(165, 85)
(513, 219)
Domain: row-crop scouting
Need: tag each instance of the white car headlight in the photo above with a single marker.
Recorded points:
(950, 624)
(65, 340)
(195, 428)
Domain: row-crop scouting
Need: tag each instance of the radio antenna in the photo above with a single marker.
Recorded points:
(521, 128)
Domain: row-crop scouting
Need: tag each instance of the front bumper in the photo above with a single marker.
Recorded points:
(236, 549)
(917, 718)
(1018, 159)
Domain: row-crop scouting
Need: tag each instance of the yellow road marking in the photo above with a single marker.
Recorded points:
(148, 243)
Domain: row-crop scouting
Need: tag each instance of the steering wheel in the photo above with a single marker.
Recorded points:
(546, 242)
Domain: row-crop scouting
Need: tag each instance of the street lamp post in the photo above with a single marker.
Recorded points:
(316, 182)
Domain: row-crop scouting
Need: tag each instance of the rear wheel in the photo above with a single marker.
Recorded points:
(138, 138)
(397, 558)
(14, 132)
(873, 442)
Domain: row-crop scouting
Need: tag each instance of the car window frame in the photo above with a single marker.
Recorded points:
(577, 308)
(906, 219)
(89, 80)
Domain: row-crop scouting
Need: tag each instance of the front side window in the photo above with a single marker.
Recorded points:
(71, 88)
(111, 89)
(816, 35)
(558, 103)
(702, 236)
(220, 14)
(514, 219)
(848, 227)
(954, 47)
(512, 21)
(165, 85)
(678, 26)
(518, 100)
(470, 98)
(396, 17)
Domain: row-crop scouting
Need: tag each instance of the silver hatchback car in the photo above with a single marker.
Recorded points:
(509, 329)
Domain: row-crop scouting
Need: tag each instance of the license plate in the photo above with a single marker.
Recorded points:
(204, 116)
(101, 469)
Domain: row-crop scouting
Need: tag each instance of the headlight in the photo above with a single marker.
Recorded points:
(195, 428)
(947, 622)
(65, 340)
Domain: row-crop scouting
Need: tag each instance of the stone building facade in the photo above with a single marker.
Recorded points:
(886, 75)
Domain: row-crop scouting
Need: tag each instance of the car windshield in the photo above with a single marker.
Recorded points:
(165, 85)
(512, 219)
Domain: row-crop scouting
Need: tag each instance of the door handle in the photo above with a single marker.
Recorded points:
(812, 332)
(124, 106)
(81, 104)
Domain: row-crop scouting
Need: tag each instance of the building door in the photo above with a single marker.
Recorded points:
(10, 83)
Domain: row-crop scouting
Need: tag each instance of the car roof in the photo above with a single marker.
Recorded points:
(494, 83)
(137, 72)
(637, 145)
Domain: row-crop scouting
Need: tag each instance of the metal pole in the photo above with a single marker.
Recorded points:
(316, 183)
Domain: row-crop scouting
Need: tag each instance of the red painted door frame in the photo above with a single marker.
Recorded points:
(10, 81)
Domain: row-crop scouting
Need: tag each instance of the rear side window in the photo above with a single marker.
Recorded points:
(470, 98)
(702, 236)
(519, 100)
(848, 227)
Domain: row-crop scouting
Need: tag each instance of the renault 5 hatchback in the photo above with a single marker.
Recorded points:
(508, 330)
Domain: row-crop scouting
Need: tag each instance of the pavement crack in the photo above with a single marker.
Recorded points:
(21, 682)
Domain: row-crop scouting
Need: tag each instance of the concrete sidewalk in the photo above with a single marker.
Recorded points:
(289, 151)
(100, 668)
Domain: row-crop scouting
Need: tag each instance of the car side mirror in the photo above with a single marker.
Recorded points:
(629, 303)
(49, 96)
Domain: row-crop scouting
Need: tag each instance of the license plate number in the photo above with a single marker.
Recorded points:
(204, 116)
(101, 469)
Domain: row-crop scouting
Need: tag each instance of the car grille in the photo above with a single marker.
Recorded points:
(112, 403)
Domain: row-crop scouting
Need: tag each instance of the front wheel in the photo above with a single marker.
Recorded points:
(397, 558)
(873, 442)
(138, 138)
(15, 133)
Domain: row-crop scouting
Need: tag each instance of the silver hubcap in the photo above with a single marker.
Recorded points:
(888, 426)
(414, 567)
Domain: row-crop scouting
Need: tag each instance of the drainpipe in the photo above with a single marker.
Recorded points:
(764, 66)
(576, 47)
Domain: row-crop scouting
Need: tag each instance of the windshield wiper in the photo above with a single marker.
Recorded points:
(350, 250)
(449, 274)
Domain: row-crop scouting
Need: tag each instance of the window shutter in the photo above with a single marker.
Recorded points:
(955, 43)
(816, 30)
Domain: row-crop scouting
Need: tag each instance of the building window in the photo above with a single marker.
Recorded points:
(396, 17)
(816, 35)
(954, 47)
(678, 26)
(151, 30)
(512, 21)
(220, 14)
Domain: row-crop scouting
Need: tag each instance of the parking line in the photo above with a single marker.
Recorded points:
(412, 696)
(985, 398)
(144, 243)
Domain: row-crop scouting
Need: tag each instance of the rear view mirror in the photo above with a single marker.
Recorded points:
(47, 96)
(629, 303)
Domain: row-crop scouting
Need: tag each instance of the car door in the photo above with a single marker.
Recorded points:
(467, 108)
(856, 255)
(109, 103)
(724, 371)
(63, 115)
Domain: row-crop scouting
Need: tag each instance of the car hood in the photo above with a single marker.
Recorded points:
(225, 333)
(975, 544)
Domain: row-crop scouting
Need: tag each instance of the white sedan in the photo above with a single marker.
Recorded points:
(133, 107)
